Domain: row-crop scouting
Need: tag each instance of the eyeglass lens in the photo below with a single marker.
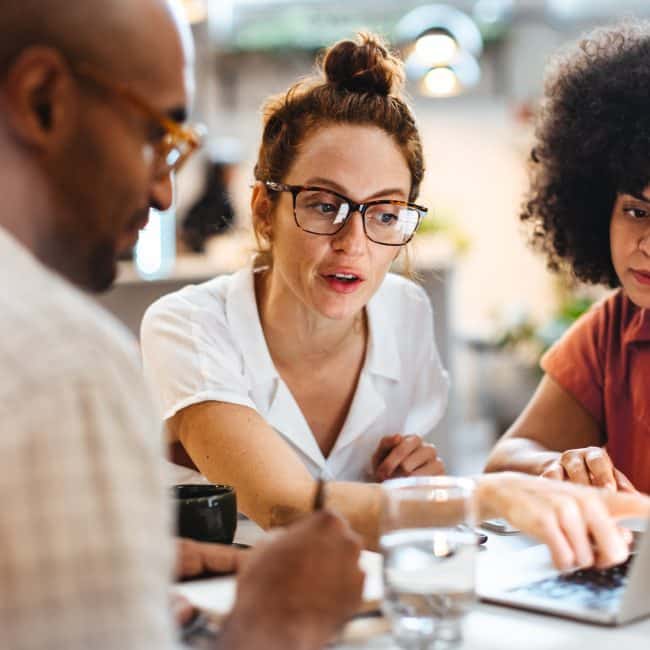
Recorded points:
(323, 213)
(170, 155)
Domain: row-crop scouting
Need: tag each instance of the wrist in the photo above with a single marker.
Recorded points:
(239, 633)
(494, 492)
(269, 630)
(486, 484)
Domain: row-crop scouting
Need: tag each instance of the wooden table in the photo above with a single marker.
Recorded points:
(488, 627)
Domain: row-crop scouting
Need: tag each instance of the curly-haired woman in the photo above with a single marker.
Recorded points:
(589, 211)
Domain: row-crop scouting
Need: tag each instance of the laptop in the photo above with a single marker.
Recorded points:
(526, 579)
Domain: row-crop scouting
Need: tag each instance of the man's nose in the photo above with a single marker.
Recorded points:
(162, 192)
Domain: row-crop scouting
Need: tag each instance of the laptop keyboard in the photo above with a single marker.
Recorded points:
(590, 588)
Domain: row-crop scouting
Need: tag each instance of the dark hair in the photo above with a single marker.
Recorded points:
(358, 82)
(592, 143)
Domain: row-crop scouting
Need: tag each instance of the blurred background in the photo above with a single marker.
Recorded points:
(475, 79)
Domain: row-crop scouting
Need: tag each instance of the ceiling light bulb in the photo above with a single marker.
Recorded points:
(441, 82)
(436, 49)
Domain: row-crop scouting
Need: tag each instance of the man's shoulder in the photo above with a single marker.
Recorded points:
(50, 328)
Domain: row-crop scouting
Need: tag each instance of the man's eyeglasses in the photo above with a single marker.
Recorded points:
(323, 212)
(178, 141)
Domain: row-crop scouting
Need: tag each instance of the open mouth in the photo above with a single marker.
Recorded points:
(343, 281)
(346, 278)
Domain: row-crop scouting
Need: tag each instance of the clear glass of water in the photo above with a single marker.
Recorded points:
(429, 549)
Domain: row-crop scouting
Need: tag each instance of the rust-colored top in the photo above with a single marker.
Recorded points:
(604, 362)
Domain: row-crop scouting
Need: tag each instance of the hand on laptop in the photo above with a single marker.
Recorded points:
(298, 587)
(588, 466)
(400, 455)
(577, 523)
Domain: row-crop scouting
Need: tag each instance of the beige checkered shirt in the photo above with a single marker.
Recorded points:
(85, 549)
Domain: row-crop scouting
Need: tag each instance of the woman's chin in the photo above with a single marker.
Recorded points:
(340, 309)
(639, 294)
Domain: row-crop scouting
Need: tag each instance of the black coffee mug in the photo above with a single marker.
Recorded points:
(207, 513)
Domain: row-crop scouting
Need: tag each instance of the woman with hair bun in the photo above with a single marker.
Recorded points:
(316, 362)
(589, 210)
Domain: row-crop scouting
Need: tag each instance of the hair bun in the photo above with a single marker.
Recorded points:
(364, 66)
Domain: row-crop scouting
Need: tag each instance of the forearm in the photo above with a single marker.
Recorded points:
(282, 501)
(273, 486)
(500, 495)
(520, 455)
(553, 422)
(489, 497)
(358, 503)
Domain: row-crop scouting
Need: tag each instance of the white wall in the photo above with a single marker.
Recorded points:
(475, 157)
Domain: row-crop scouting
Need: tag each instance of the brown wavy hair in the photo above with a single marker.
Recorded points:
(357, 82)
(592, 143)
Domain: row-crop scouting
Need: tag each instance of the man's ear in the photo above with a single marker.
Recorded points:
(262, 209)
(37, 100)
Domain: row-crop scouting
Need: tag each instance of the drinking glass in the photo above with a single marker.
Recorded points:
(429, 549)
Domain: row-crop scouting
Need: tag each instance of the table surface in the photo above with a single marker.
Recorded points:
(487, 627)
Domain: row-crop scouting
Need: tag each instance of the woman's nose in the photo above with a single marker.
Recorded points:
(644, 242)
(351, 238)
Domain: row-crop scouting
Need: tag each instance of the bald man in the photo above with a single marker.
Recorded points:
(94, 147)
(93, 99)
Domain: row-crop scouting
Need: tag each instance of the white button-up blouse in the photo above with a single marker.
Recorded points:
(206, 343)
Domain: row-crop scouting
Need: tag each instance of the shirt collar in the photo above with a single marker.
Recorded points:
(242, 313)
(282, 412)
(382, 358)
(382, 355)
(11, 246)
(241, 307)
(638, 331)
(24, 260)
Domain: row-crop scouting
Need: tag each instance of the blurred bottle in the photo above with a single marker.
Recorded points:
(213, 213)
(155, 252)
